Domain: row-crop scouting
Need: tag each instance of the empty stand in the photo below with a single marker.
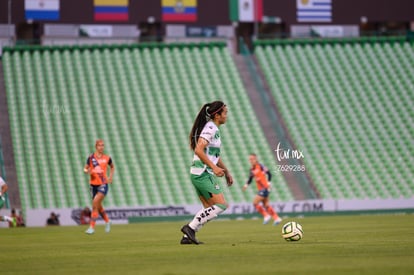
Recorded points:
(142, 101)
(348, 105)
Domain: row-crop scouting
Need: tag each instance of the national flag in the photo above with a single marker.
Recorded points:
(42, 9)
(111, 10)
(179, 10)
(314, 10)
(246, 10)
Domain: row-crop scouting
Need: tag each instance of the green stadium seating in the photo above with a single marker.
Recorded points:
(141, 100)
(348, 106)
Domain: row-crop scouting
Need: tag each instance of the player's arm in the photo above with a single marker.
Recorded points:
(112, 170)
(86, 168)
(199, 150)
(227, 174)
(249, 181)
(269, 177)
(4, 189)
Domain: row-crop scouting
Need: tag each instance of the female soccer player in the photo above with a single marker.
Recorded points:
(3, 190)
(259, 171)
(207, 166)
(96, 165)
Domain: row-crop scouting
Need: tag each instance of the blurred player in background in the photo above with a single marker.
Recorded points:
(207, 166)
(261, 201)
(3, 190)
(96, 165)
(85, 216)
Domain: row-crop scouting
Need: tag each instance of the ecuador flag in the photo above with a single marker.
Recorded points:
(179, 10)
(111, 10)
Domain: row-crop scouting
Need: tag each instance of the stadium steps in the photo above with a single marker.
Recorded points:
(263, 105)
(141, 100)
(348, 105)
(7, 167)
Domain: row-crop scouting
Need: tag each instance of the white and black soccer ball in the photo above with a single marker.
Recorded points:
(292, 231)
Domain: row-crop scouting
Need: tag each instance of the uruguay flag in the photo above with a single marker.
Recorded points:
(42, 9)
(314, 10)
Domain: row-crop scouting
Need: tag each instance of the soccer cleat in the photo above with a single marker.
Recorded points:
(90, 231)
(277, 221)
(266, 219)
(108, 227)
(187, 230)
(185, 240)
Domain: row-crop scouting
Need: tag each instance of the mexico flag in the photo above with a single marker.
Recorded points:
(246, 10)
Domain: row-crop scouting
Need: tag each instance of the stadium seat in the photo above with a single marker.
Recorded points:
(349, 104)
(142, 101)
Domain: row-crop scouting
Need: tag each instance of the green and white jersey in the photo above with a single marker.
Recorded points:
(211, 133)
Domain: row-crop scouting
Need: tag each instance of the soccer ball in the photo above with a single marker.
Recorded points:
(292, 231)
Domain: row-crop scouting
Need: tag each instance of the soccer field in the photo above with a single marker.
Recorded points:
(377, 244)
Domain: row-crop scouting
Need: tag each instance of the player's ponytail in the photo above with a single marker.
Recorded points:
(207, 112)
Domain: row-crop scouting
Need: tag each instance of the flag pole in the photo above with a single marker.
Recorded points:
(9, 22)
(256, 15)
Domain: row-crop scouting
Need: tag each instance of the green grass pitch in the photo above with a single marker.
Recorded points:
(376, 244)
